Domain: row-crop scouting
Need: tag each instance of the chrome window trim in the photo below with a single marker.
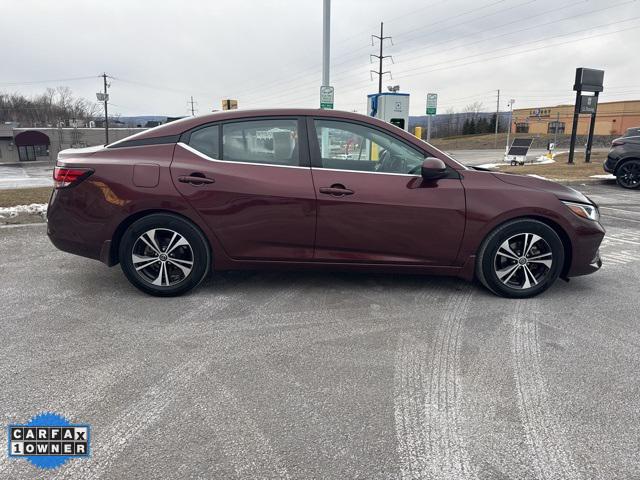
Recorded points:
(234, 162)
(367, 171)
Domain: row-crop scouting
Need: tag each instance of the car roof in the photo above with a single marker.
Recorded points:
(178, 127)
(172, 131)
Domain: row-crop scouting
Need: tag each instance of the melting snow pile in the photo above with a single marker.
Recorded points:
(10, 212)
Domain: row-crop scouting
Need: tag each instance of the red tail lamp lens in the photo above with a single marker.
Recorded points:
(64, 177)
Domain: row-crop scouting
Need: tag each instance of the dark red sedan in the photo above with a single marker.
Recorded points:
(312, 189)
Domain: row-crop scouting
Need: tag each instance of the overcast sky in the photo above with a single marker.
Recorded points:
(269, 52)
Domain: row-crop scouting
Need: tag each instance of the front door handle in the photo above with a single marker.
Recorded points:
(195, 179)
(336, 190)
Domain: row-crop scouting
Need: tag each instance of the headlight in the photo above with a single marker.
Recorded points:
(584, 210)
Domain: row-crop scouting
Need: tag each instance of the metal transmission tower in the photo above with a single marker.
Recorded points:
(192, 108)
(380, 56)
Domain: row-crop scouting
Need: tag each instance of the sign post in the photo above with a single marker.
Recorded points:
(587, 80)
(432, 106)
(589, 104)
(326, 97)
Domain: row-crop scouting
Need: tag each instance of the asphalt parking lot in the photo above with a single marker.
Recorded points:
(321, 375)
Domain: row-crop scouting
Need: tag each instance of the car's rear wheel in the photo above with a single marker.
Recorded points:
(164, 255)
(628, 174)
(520, 259)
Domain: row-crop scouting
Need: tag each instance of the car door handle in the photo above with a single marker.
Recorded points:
(195, 179)
(336, 190)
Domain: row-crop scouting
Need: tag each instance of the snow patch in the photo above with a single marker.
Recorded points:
(34, 208)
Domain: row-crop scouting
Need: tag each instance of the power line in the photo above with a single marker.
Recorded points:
(439, 22)
(288, 92)
(34, 82)
(445, 67)
(446, 19)
(517, 31)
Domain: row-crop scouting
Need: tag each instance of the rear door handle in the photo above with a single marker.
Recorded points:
(194, 179)
(336, 190)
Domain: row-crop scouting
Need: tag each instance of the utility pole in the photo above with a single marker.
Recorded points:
(106, 113)
(497, 119)
(381, 57)
(193, 110)
(511, 102)
(555, 130)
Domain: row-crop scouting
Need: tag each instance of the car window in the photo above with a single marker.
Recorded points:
(273, 142)
(350, 146)
(206, 141)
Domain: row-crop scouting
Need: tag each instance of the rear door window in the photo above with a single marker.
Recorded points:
(269, 141)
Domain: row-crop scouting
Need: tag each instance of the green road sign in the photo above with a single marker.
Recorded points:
(432, 103)
(326, 97)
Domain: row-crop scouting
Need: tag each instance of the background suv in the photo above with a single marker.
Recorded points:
(623, 160)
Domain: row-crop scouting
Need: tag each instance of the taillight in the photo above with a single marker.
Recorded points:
(617, 143)
(64, 177)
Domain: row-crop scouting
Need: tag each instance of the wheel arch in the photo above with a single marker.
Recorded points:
(124, 224)
(624, 160)
(556, 227)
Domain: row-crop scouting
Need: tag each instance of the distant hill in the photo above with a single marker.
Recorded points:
(143, 119)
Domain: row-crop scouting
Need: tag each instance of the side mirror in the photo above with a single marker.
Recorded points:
(433, 168)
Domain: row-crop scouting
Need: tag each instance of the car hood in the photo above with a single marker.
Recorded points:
(536, 183)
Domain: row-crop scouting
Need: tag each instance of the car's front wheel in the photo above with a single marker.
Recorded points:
(164, 255)
(628, 174)
(520, 259)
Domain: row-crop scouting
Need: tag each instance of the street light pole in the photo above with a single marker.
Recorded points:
(497, 120)
(326, 41)
(326, 48)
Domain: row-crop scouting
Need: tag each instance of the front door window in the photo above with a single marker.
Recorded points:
(351, 146)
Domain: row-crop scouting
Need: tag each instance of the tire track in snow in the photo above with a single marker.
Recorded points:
(429, 422)
(144, 413)
(547, 446)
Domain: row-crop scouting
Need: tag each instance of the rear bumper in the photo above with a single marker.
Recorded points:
(69, 229)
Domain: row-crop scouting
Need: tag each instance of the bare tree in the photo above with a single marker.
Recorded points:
(50, 108)
(473, 109)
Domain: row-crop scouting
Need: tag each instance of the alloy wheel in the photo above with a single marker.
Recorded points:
(629, 175)
(162, 257)
(523, 261)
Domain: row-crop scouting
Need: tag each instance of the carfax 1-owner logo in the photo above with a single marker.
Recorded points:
(48, 440)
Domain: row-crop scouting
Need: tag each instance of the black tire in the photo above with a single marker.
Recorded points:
(189, 252)
(628, 174)
(522, 279)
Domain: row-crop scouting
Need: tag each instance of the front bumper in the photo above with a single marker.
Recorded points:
(586, 250)
(609, 165)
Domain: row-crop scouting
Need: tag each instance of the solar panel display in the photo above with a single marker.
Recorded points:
(518, 151)
(522, 142)
(520, 147)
